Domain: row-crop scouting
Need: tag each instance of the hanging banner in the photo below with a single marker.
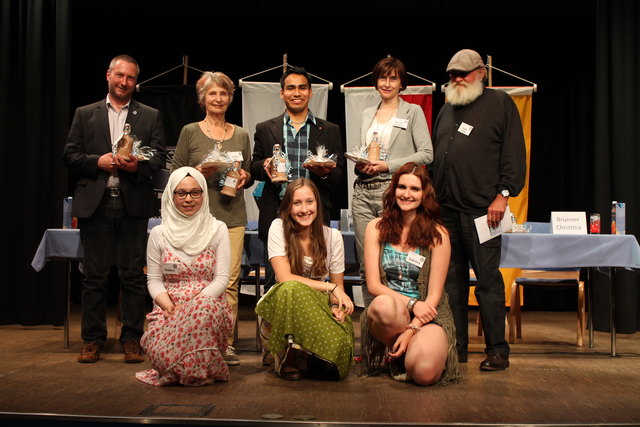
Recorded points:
(425, 101)
(357, 99)
(261, 101)
(523, 97)
(519, 206)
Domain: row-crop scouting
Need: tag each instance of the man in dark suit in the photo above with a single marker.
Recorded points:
(113, 200)
(296, 130)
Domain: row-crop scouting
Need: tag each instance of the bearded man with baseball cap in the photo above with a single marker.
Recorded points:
(479, 163)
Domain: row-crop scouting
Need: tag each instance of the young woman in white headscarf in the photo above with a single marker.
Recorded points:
(187, 274)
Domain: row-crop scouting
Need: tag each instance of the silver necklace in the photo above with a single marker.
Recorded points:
(217, 142)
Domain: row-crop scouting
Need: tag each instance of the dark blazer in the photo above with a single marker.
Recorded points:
(269, 133)
(89, 138)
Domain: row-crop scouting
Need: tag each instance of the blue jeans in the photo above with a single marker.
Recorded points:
(365, 206)
(485, 260)
(111, 235)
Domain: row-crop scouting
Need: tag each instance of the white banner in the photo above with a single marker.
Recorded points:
(261, 101)
(356, 100)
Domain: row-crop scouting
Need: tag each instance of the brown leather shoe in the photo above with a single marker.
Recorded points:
(290, 373)
(132, 352)
(495, 362)
(90, 353)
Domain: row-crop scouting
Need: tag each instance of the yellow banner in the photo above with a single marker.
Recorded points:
(518, 205)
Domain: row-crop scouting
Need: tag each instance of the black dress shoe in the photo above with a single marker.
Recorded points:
(463, 350)
(495, 362)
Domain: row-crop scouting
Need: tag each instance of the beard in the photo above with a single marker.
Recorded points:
(119, 94)
(463, 93)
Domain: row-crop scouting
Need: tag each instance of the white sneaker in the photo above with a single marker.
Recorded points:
(230, 356)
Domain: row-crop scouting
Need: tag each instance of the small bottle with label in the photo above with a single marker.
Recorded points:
(67, 221)
(594, 223)
(230, 186)
(373, 150)
(125, 144)
(278, 165)
(618, 215)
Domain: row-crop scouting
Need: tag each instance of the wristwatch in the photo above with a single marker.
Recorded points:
(504, 193)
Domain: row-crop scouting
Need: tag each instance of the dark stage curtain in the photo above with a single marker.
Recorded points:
(561, 168)
(34, 106)
(582, 156)
(178, 105)
(617, 147)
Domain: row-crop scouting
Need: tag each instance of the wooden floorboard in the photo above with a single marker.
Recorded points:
(550, 382)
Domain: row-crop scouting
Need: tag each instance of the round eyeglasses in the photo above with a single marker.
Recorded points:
(181, 194)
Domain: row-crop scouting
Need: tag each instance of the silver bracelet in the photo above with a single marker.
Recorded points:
(412, 302)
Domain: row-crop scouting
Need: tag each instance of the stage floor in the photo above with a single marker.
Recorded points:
(550, 382)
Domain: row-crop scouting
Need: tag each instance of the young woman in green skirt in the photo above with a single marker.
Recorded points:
(307, 311)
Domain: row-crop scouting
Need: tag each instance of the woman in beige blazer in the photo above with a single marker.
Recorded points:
(402, 131)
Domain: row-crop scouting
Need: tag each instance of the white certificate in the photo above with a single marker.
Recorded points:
(487, 233)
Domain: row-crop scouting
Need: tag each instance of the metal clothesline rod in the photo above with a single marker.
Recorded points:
(324, 80)
(512, 75)
(422, 78)
(260, 72)
(351, 81)
(161, 74)
(283, 66)
(183, 65)
(342, 86)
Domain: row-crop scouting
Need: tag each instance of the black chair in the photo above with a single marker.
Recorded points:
(252, 269)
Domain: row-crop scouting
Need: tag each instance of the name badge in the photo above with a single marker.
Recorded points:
(235, 156)
(400, 123)
(415, 259)
(170, 268)
(465, 129)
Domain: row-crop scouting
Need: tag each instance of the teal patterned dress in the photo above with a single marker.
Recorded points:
(402, 276)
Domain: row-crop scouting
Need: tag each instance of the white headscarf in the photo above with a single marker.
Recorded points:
(191, 234)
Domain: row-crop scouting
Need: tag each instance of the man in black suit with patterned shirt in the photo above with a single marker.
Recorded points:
(296, 130)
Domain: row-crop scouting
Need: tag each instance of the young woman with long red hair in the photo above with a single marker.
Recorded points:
(406, 259)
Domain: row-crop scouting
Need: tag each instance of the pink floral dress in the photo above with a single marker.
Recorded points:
(186, 348)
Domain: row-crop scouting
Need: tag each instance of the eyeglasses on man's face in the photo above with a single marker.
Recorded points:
(454, 74)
